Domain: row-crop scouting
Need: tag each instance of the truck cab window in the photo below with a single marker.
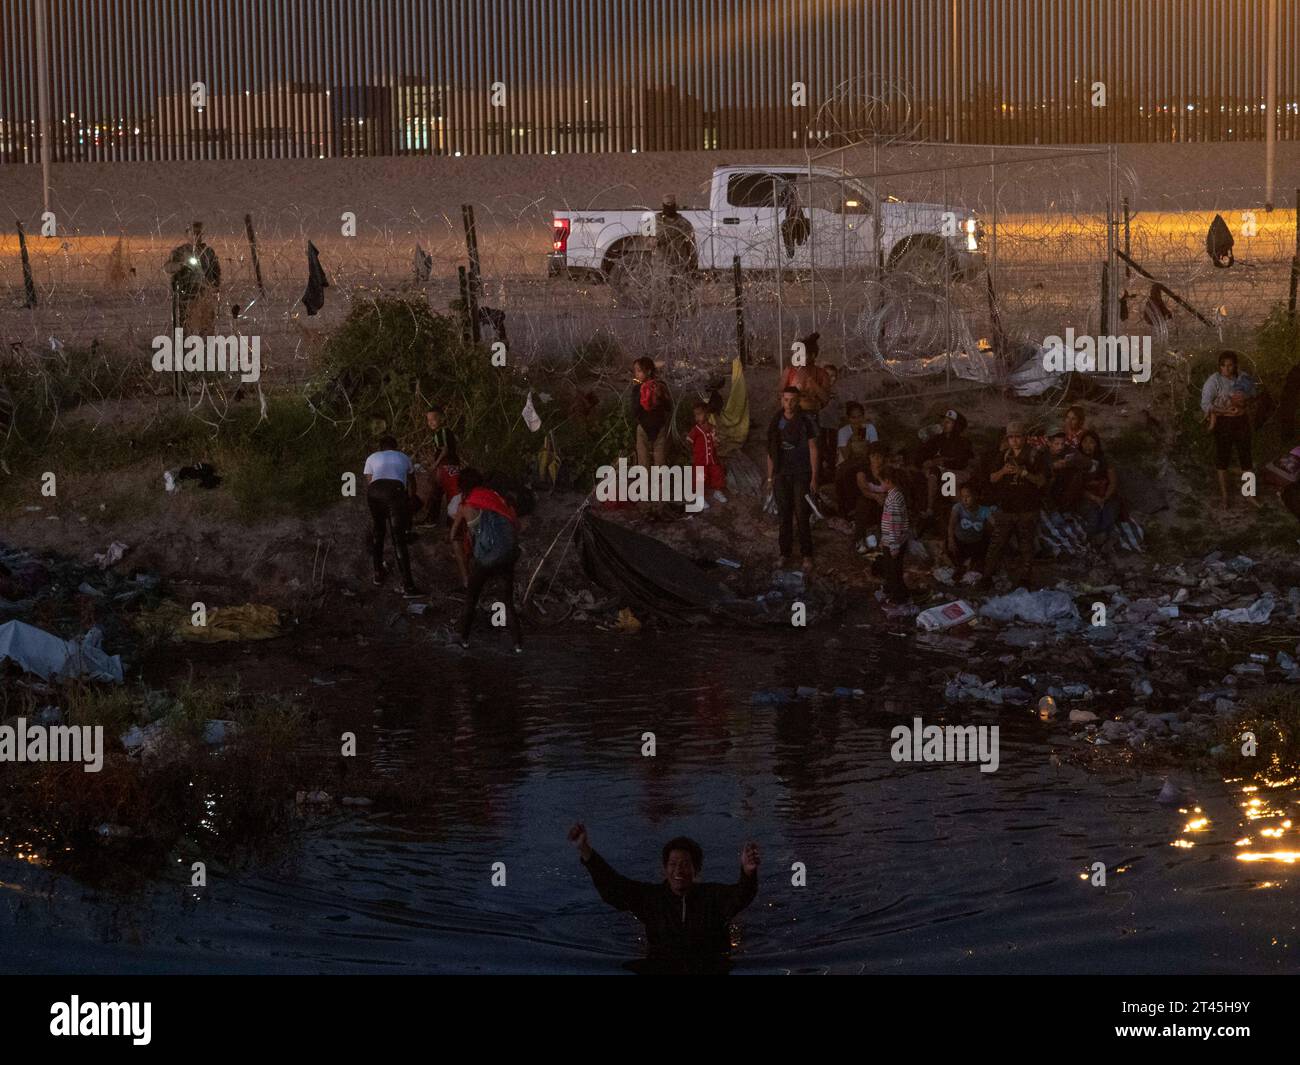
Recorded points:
(755, 189)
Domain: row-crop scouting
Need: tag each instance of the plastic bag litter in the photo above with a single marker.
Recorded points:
(1043, 607)
(111, 555)
(530, 415)
(1256, 614)
(48, 656)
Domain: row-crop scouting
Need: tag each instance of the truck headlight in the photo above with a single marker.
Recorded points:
(974, 232)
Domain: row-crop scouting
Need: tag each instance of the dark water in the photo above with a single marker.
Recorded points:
(910, 868)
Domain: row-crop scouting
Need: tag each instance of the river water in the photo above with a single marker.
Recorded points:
(931, 867)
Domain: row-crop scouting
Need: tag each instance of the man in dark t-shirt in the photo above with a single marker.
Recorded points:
(687, 922)
(792, 472)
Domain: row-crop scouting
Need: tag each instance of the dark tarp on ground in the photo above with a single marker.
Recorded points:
(648, 575)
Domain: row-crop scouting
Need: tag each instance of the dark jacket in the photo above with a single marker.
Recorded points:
(691, 926)
(953, 450)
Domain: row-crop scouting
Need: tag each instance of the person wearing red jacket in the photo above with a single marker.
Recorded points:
(494, 550)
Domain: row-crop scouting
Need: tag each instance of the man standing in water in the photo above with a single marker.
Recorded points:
(687, 922)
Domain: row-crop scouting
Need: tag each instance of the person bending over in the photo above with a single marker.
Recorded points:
(388, 472)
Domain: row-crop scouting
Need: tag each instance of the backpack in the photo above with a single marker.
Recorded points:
(653, 394)
(495, 539)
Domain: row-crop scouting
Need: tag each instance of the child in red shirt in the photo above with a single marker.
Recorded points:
(704, 453)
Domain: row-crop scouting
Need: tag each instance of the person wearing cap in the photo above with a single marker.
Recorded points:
(1018, 483)
(949, 451)
(1067, 465)
(674, 243)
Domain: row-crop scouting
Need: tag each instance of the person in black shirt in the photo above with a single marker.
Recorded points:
(948, 451)
(687, 922)
(792, 472)
(1018, 483)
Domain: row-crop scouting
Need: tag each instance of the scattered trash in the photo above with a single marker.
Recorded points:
(112, 555)
(1256, 614)
(216, 733)
(314, 798)
(49, 657)
(1037, 608)
(417, 609)
(137, 740)
(1080, 716)
(729, 563)
(110, 831)
(356, 800)
(627, 622)
(1171, 794)
(948, 616)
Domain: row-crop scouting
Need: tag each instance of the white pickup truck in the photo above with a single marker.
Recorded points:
(770, 216)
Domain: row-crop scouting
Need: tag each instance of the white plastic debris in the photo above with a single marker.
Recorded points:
(530, 415)
(947, 616)
(1043, 607)
(50, 657)
(1256, 614)
(112, 555)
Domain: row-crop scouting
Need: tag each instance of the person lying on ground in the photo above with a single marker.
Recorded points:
(949, 451)
(685, 920)
(895, 533)
(1225, 401)
(969, 531)
(1099, 508)
(387, 472)
(792, 473)
(1018, 484)
(710, 475)
(493, 530)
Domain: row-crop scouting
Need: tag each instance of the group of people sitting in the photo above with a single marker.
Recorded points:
(888, 496)
(482, 524)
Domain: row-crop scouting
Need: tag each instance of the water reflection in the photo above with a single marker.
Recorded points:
(488, 759)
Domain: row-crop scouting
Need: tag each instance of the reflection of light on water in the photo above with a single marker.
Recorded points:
(1269, 856)
(1197, 825)
(1185, 844)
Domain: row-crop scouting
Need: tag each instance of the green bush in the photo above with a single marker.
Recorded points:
(392, 358)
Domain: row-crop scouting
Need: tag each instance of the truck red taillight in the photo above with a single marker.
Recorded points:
(560, 234)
